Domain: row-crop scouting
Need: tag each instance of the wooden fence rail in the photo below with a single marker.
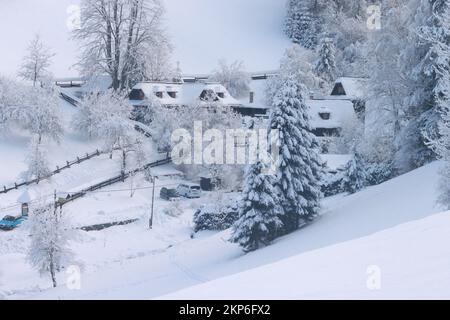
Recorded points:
(68, 164)
(120, 178)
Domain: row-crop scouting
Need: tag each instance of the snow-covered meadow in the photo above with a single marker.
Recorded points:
(354, 206)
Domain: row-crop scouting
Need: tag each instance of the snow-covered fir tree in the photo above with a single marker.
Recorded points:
(437, 62)
(35, 65)
(259, 210)
(301, 25)
(233, 77)
(326, 65)
(50, 233)
(355, 177)
(441, 144)
(421, 63)
(300, 169)
(36, 160)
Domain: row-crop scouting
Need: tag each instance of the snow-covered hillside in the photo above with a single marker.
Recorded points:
(404, 262)
(350, 226)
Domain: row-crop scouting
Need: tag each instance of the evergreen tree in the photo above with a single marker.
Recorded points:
(258, 210)
(354, 174)
(326, 65)
(441, 144)
(301, 25)
(299, 165)
(429, 61)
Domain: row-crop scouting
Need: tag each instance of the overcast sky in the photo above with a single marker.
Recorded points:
(202, 32)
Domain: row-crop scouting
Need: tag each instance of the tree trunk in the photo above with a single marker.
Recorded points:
(52, 270)
(124, 161)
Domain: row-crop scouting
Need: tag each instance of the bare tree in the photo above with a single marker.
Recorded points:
(117, 36)
(233, 77)
(35, 65)
(50, 232)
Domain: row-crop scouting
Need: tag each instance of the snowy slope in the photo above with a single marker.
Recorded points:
(411, 260)
(349, 226)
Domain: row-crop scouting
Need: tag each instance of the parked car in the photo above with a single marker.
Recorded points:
(189, 190)
(10, 222)
(168, 194)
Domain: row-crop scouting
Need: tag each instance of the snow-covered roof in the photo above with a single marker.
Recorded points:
(353, 88)
(185, 93)
(257, 90)
(340, 112)
(24, 197)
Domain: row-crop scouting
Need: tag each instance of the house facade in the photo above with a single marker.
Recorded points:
(184, 94)
(328, 115)
(351, 89)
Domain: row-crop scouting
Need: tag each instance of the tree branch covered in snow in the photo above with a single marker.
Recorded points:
(233, 77)
(35, 65)
(50, 232)
(124, 39)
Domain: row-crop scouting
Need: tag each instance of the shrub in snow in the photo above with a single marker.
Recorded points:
(173, 209)
(332, 183)
(377, 173)
(215, 217)
(355, 176)
(50, 233)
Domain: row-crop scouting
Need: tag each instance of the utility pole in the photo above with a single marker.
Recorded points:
(153, 202)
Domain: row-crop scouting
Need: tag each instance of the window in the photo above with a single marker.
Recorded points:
(159, 94)
(208, 95)
(137, 94)
(172, 94)
(221, 95)
(252, 96)
(324, 115)
(338, 90)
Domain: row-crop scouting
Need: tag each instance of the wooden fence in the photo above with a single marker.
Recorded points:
(119, 178)
(68, 164)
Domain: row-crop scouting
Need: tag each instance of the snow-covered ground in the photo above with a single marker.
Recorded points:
(13, 148)
(408, 261)
(393, 226)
